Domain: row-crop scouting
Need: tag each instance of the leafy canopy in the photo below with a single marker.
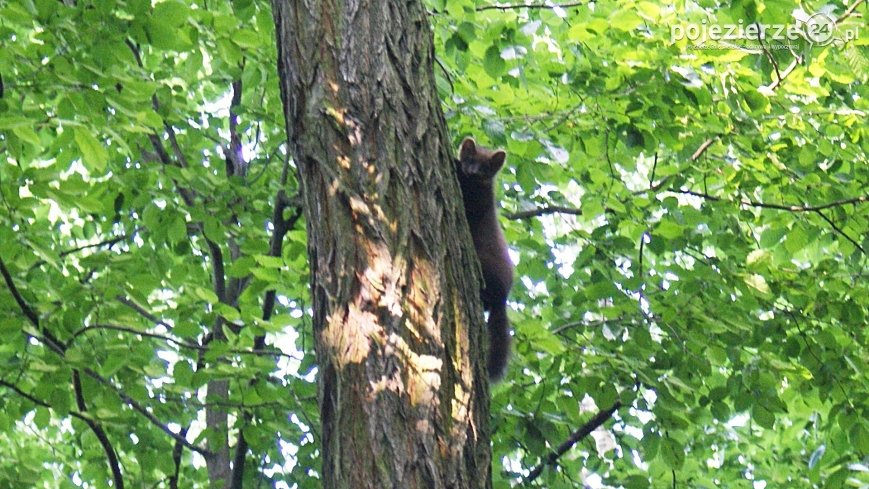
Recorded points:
(690, 227)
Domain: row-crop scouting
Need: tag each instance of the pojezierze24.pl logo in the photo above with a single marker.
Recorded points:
(819, 29)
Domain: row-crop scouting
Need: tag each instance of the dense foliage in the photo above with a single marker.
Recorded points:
(690, 227)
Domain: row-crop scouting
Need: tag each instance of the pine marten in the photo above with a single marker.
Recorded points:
(477, 168)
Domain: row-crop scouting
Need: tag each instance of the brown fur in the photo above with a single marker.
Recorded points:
(477, 169)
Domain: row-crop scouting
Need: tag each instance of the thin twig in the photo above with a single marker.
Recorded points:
(169, 339)
(583, 431)
(702, 149)
(108, 243)
(530, 6)
(144, 412)
(446, 74)
(142, 312)
(766, 52)
(785, 73)
(542, 211)
(793, 208)
(99, 432)
(850, 11)
(783, 207)
(16, 294)
(839, 230)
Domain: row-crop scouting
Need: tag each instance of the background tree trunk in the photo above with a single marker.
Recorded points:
(402, 388)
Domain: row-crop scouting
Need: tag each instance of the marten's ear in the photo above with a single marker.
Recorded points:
(497, 160)
(468, 149)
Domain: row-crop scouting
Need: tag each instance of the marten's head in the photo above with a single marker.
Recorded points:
(480, 163)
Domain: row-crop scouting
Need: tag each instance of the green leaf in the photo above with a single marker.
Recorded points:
(183, 374)
(493, 63)
(763, 416)
(171, 13)
(269, 261)
(649, 9)
(757, 282)
(672, 453)
(246, 39)
(625, 20)
(27, 134)
(93, 153)
(113, 363)
(167, 36)
(177, 230)
(206, 294)
(770, 237)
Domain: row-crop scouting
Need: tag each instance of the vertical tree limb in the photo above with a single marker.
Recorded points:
(280, 229)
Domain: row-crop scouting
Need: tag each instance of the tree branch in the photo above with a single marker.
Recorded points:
(168, 339)
(173, 141)
(47, 337)
(34, 400)
(99, 432)
(219, 275)
(793, 208)
(839, 230)
(785, 73)
(156, 143)
(235, 164)
(108, 243)
(39, 402)
(144, 412)
(783, 207)
(766, 52)
(850, 11)
(55, 345)
(529, 6)
(22, 304)
(142, 312)
(176, 458)
(542, 211)
(281, 228)
(583, 431)
(702, 149)
(60, 349)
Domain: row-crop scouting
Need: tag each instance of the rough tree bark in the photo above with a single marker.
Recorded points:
(397, 319)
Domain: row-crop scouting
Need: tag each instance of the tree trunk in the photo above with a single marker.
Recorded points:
(395, 283)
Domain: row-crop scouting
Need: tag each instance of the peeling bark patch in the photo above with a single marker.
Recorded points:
(423, 297)
(350, 341)
(391, 383)
(428, 382)
(462, 405)
(420, 383)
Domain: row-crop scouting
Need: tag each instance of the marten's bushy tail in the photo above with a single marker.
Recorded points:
(499, 341)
